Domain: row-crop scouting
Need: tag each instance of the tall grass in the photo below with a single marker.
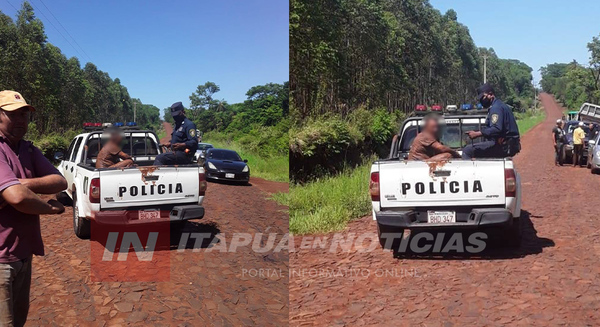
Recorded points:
(328, 203)
(273, 168)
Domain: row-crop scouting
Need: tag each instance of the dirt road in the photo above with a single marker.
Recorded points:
(205, 288)
(552, 279)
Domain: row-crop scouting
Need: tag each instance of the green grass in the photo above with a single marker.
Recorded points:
(327, 204)
(528, 120)
(275, 168)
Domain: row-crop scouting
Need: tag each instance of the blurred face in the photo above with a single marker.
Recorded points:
(116, 138)
(432, 126)
(13, 124)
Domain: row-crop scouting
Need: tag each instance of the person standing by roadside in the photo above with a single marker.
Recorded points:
(558, 135)
(578, 137)
(24, 173)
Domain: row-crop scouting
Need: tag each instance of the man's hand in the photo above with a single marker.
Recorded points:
(48, 184)
(56, 206)
(474, 134)
(167, 145)
(179, 146)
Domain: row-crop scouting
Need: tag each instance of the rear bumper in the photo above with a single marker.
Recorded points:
(130, 217)
(474, 219)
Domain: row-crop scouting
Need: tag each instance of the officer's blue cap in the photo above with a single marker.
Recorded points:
(485, 88)
(176, 109)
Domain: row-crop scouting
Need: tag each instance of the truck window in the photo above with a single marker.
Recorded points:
(76, 149)
(465, 138)
(70, 150)
(139, 147)
(407, 139)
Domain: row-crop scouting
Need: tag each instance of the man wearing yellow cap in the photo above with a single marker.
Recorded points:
(24, 173)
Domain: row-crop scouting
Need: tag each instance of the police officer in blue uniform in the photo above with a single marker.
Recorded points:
(184, 142)
(501, 132)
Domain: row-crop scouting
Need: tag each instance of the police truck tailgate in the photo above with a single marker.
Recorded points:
(148, 186)
(435, 184)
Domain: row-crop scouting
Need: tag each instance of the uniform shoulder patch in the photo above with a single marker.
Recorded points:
(494, 118)
(192, 132)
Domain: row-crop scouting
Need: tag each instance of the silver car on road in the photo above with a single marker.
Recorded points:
(593, 161)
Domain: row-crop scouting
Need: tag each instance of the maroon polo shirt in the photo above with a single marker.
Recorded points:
(20, 234)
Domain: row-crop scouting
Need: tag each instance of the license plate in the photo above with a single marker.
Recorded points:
(441, 217)
(229, 175)
(148, 214)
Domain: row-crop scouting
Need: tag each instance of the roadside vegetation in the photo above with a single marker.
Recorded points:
(573, 83)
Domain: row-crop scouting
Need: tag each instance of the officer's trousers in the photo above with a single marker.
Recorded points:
(172, 158)
(485, 149)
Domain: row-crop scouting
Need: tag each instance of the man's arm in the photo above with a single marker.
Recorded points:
(123, 155)
(24, 200)
(48, 184)
(440, 148)
(553, 138)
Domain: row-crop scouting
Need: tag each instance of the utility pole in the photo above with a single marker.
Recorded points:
(134, 111)
(485, 68)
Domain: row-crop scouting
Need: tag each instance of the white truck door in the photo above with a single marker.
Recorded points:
(69, 162)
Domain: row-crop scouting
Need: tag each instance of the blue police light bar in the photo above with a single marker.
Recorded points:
(479, 106)
(118, 124)
(466, 106)
(131, 123)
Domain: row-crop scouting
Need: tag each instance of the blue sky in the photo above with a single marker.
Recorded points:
(536, 32)
(162, 50)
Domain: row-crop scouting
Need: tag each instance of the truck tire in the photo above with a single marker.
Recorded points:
(513, 234)
(81, 225)
(389, 230)
(64, 199)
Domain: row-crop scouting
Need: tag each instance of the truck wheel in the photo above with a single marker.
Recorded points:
(395, 243)
(64, 199)
(513, 234)
(81, 225)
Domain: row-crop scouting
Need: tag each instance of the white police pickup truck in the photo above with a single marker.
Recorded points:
(454, 194)
(137, 195)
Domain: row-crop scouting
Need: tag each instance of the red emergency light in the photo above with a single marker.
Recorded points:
(436, 107)
(420, 107)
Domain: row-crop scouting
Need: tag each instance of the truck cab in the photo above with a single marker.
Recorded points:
(142, 194)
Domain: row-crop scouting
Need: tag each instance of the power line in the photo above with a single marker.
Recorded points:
(12, 6)
(69, 34)
(59, 32)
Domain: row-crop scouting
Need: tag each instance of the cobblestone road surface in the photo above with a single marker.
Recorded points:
(206, 288)
(551, 280)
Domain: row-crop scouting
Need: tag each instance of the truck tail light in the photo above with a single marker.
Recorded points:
(95, 190)
(510, 183)
(202, 185)
(374, 186)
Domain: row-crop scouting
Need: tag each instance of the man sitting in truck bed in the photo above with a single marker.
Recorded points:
(426, 145)
(111, 153)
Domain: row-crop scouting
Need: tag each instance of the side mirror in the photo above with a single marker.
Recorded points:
(246, 160)
(203, 155)
(58, 156)
(592, 142)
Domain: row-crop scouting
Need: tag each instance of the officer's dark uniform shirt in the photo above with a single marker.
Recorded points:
(500, 122)
(186, 133)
